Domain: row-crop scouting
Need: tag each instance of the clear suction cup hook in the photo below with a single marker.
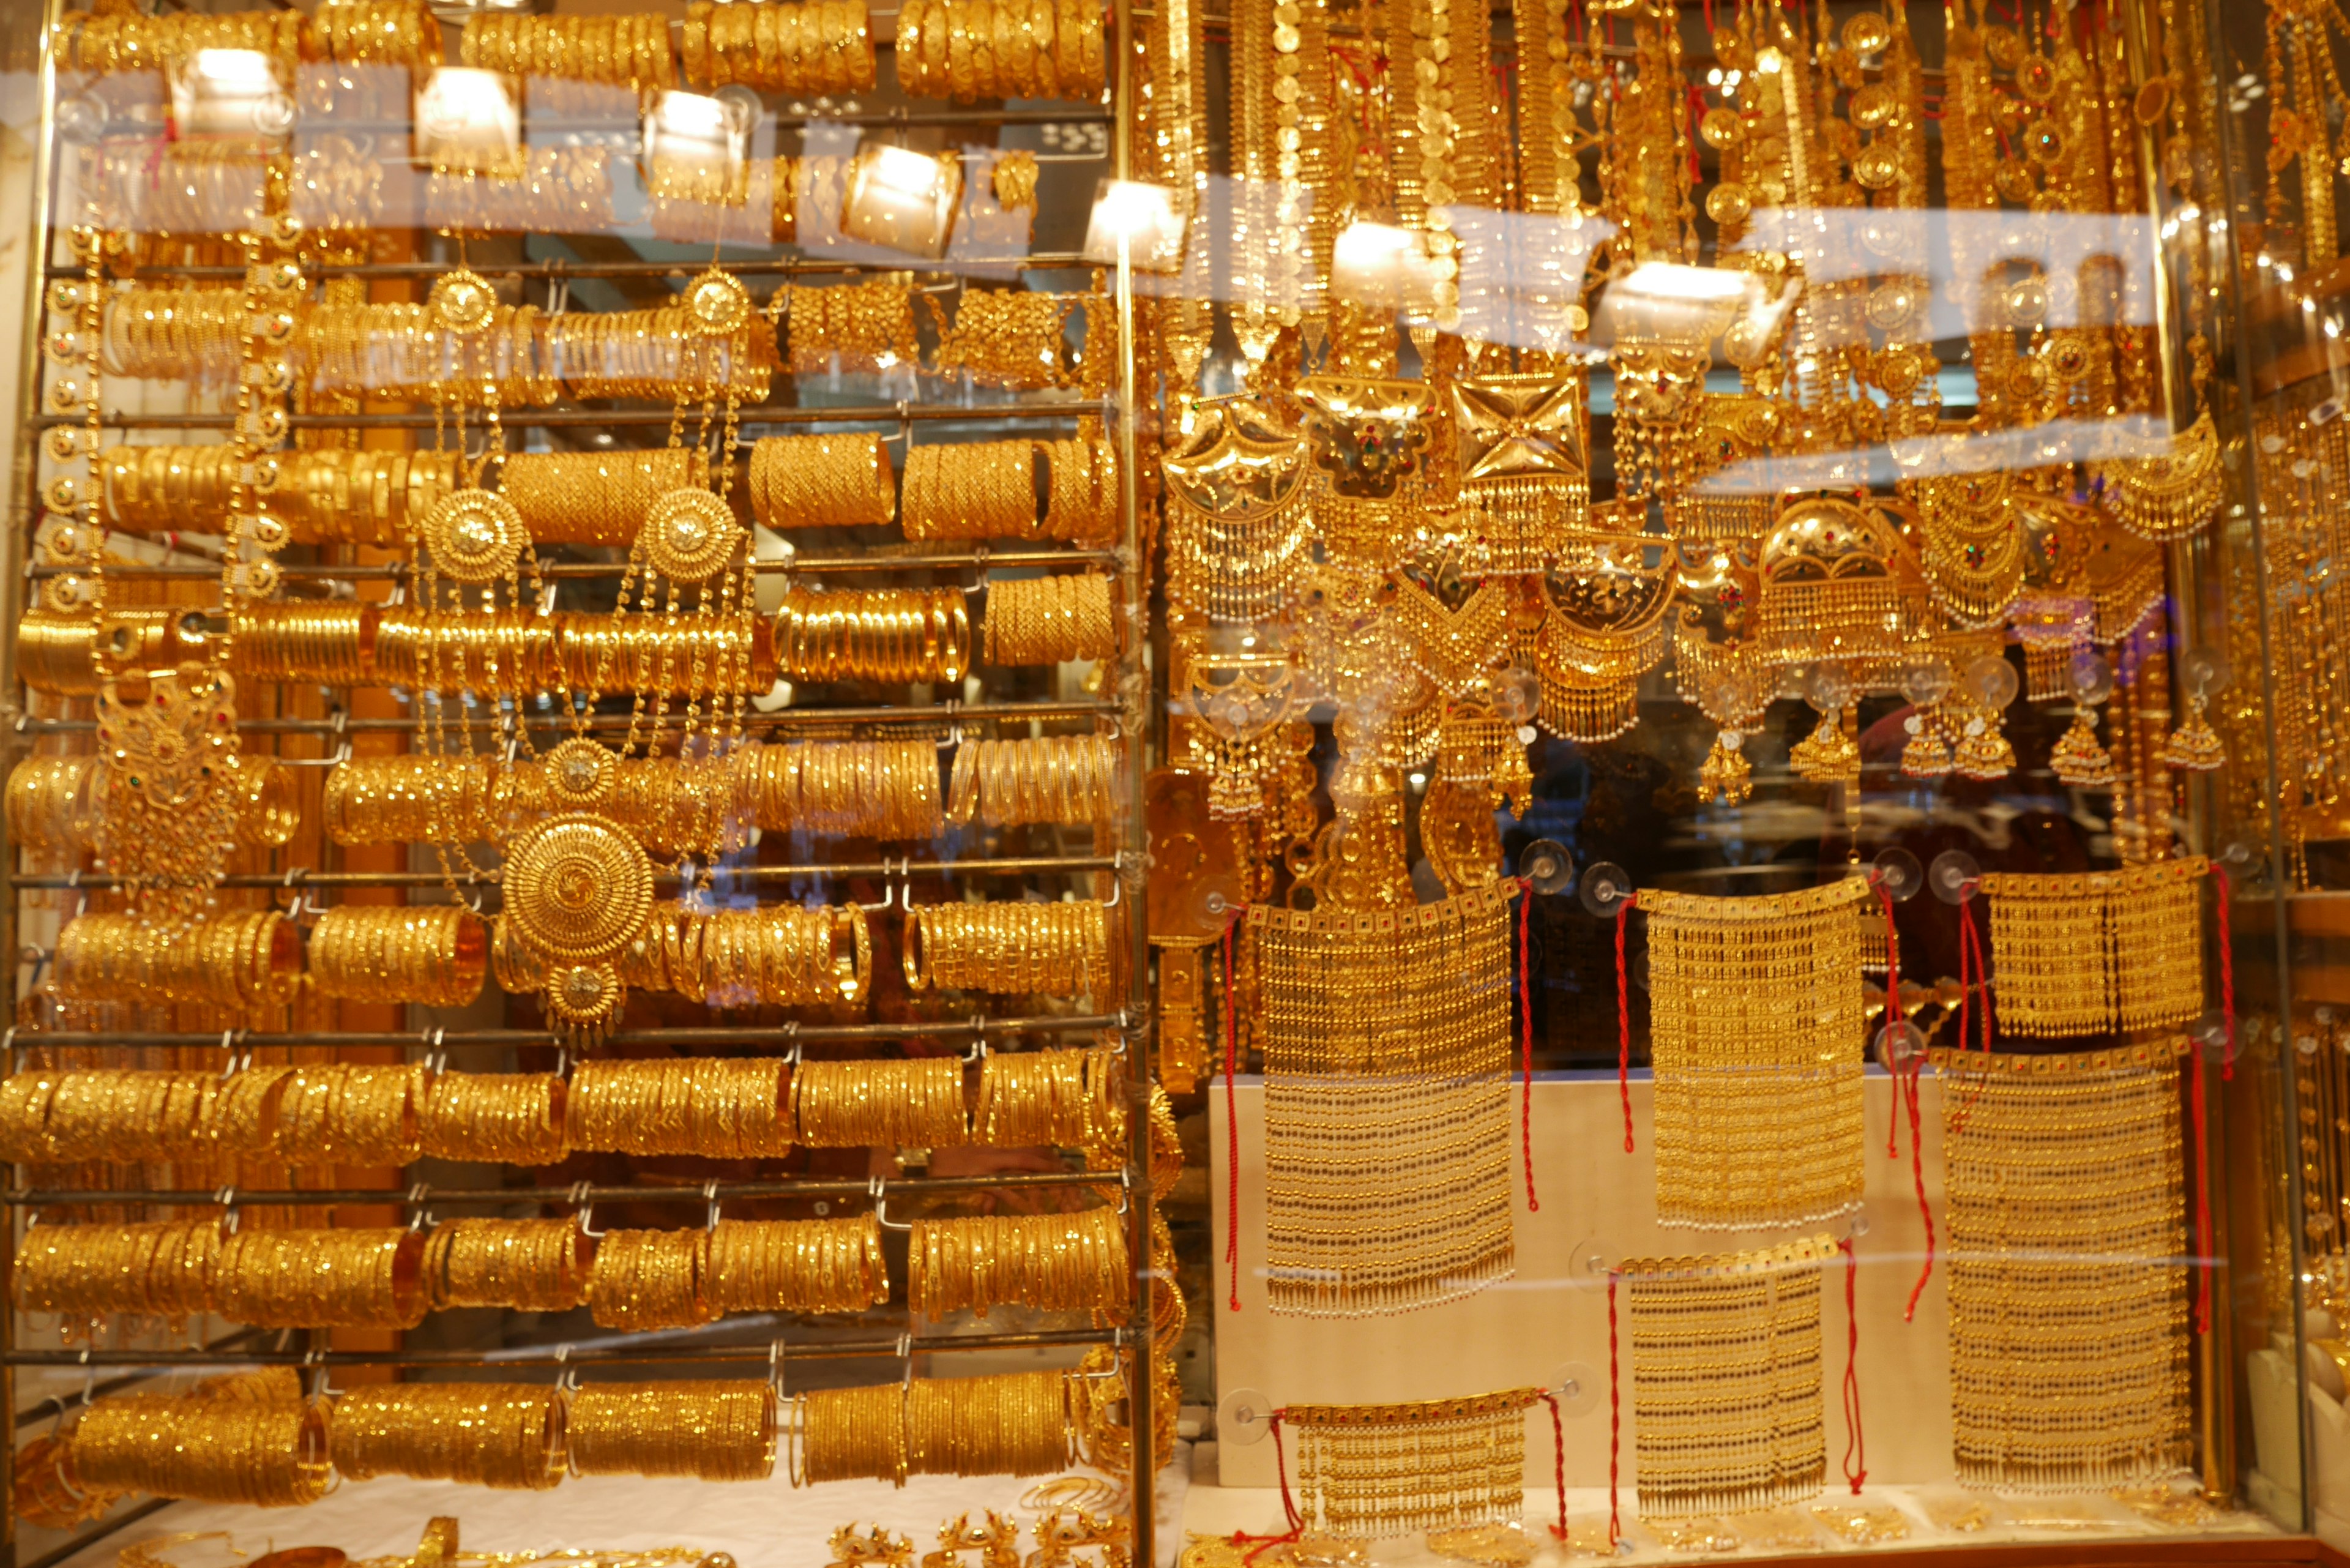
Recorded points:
(2204, 670)
(1604, 887)
(2238, 857)
(1926, 681)
(1900, 1047)
(1953, 875)
(2092, 676)
(1578, 1387)
(1897, 872)
(1244, 1418)
(2209, 1033)
(1518, 695)
(1991, 681)
(1829, 688)
(1547, 865)
(1591, 1262)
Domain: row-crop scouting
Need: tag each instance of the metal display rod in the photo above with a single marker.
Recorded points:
(303, 877)
(933, 714)
(559, 419)
(559, 269)
(425, 1197)
(801, 565)
(579, 1356)
(977, 1027)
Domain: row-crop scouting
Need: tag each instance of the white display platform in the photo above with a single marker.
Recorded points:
(764, 1525)
(1553, 1319)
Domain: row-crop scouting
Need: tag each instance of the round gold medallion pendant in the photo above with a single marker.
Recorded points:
(717, 304)
(475, 536)
(462, 302)
(580, 775)
(690, 535)
(585, 996)
(578, 887)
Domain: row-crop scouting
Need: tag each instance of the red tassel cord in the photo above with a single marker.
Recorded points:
(1231, 1126)
(1288, 1508)
(1558, 1465)
(2224, 892)
(1614, 1421)
(1624, 1019)
(1526, 1042)
(1856, 1445)
(1905, 1087)
(1905, 1094)
(1892, 1013)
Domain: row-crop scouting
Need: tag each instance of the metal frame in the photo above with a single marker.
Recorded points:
(1130, 708)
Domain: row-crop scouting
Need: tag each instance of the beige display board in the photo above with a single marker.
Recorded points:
(1595, 1201)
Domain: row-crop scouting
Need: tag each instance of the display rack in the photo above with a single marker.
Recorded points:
(1123, 685)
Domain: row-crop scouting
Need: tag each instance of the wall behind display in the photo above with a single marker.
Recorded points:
(1523, 1331)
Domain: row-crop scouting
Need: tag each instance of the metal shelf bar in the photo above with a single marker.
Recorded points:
(977, 1026)
(753, 414)
(559, 269)
(790, 718)
(303, 877)
(578, 1355)
(423, 1197)
(961, 560)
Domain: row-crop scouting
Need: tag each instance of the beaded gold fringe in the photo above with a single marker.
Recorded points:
(1728, 1407)
(1757, 1035)
(1387, 1043)
(1392, 1470)
(2064, 1193)
(2086, 953)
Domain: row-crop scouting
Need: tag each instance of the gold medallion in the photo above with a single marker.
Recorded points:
(462, 302)
(475, 536)
(577, 888)
(689, 534)
(717, 304)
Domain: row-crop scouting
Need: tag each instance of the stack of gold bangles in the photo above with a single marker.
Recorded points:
(1065, 779)
(1015, 949)
(435, 955)
(627, 50)
(782, 955)
(1057, 1262)
(303, 641)
(971, 50)
(656, 355)
(723, 1110)
(850, 327)
(865, 789)
(49, 806)
(507, 1436)
(184, 332)
(595, 497)
(899, 636)
(252, 1439)
(378, 31)
(557, 189)
(1013, 1423)
(841, 481)
(414, 799)
(813, 46)
(1006, 337)
(987, 490)
(529, 1265)
(1050, 620)
(241, 961)
(881, 1104)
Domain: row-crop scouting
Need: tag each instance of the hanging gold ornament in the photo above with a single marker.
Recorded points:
(1523, 460)
(1239, 532)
